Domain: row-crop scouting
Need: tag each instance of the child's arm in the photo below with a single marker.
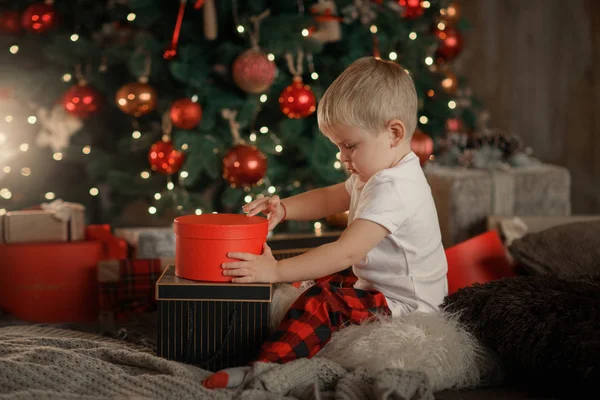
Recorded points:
(317, 203)
(314, 204)
(352, 246)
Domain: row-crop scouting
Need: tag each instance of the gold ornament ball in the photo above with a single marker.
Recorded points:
(136, 98)
(452, 13)
(338, 220)
(449, 81)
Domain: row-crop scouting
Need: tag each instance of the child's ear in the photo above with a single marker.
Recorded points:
(397, 132)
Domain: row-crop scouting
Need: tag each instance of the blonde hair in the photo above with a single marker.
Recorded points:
(368, 94)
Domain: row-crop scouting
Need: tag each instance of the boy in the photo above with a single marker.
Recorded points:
(392, 241)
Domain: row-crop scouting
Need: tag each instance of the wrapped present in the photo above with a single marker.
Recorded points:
(126, 287)
(50, 282)
(209, 324)
(58, 221)
(115, 247)
(149, 242)
(480, 259)
(466, 197)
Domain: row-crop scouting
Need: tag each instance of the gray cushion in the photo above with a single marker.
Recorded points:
(568, 250)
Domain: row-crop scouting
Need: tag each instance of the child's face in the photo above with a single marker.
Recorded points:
(363, 153)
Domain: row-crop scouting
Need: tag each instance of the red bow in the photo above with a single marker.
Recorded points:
(328, 16)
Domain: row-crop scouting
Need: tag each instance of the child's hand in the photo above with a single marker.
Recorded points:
(270, 206)
(252, 268)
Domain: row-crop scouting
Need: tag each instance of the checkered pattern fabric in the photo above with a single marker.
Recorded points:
(323, 309)
(132, 291)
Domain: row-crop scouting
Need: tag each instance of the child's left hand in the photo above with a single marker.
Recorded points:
(252, 268)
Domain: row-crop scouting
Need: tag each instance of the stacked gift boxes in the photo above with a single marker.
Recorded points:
(48, 261)
(217, 325)
(126, 284)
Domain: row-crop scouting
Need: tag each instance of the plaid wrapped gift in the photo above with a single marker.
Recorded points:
(126, 287)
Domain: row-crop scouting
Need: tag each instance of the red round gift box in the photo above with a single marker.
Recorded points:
(203, 241)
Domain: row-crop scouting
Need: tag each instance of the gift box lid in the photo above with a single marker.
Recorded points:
(171, 287)
(221, 226)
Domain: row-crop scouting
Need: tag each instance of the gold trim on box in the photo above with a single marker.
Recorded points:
(291, 236)
(224, 300)
(180, 281)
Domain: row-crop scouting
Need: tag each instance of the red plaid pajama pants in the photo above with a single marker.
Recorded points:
(321, 310)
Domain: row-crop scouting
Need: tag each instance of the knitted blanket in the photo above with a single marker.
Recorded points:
(49, 363)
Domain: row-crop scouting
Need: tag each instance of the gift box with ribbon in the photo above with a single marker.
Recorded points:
(466, 197)
(58, 221)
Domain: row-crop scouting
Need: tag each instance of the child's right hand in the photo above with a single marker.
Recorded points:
(270, 206)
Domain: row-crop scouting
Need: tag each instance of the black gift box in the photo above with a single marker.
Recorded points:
(211, 325)
(286, 245)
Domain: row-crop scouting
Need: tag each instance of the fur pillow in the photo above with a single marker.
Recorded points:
(545, 330)
(568, 250)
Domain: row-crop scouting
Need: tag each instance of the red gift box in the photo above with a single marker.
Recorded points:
(56, 282)
(50, 282)
(126, 287)
(115, 248)
(203, 241)
(480, 259)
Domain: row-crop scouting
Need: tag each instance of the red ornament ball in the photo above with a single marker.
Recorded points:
(164, 159)
(39, 18)
(422, 145)
(185, 114)
(297, 100)
(244, 165)
(454, 125)
(10, 22)
(82, 100)
(451, 44)
(253, 72)
(411, 9)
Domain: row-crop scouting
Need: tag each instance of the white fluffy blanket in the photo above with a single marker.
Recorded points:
(435, 344)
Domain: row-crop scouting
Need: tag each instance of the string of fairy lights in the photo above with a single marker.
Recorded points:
(136, 134)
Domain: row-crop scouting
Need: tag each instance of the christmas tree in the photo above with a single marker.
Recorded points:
(199, 106)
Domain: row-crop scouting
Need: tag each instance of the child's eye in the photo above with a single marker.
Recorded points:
(350, 146)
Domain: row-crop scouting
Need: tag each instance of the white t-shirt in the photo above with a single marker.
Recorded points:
(409, 265)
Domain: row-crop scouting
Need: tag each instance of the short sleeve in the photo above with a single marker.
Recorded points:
(350, 184)
(381, 202)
